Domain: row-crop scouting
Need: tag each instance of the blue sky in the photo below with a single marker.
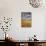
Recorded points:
(26, 15)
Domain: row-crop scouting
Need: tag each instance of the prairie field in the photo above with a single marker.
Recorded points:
(26, 23)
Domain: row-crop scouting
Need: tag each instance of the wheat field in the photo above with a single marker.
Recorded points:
(26, 23)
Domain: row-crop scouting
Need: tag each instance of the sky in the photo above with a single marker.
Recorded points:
(26, 15)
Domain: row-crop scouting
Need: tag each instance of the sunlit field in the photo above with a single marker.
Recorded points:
(26, 23)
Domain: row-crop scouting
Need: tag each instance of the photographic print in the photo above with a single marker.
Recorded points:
(26, 19)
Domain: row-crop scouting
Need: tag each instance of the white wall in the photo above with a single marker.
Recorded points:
(13, 8)
(45, 28)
